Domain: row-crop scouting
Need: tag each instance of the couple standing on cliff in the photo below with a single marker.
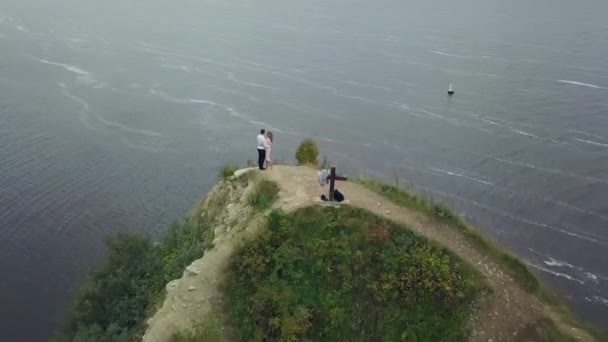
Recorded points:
(265, 140)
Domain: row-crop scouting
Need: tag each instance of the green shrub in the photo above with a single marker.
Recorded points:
(264, 194)
(327, 274)
(101, 304)
(307, 153)
(95, 333)
(118, 296)
(208, 331)
(228, 171)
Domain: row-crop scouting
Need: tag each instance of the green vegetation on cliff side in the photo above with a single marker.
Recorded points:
(346, 274)
(118, 296)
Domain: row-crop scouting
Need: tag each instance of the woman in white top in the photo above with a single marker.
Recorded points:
(268, 147)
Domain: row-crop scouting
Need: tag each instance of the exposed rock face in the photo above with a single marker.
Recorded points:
(197, 292)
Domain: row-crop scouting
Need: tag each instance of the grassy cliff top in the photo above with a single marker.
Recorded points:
(389, 265)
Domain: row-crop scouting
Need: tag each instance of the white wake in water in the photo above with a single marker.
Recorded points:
(597, 299)
(247, 61)
(526, 134)
(366, 85)
(177, 67)
(230, 91)
(586, 133)
(67, 67)
(557, 274)
(581, 235)
(232, 77)
(547, 170)
(84, 111)
(495, 58)
(582, 84)
(580, 274)
(467, 175)
(591, 142)
(125, 127)
(518, 218)
(462, 175)
(557, 263)
(83, 75)
(449, 54)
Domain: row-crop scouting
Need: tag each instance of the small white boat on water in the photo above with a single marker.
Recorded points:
(451, 90)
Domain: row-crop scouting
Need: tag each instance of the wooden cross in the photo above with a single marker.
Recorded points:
(332, 182)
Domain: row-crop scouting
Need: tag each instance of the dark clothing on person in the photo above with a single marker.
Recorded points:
(261, 158)
(338, 196)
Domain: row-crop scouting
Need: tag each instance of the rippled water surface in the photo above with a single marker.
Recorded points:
(115, 116)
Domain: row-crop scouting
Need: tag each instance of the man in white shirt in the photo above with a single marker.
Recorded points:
(261, 149)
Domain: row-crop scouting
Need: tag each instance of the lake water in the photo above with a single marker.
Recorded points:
(116, 115)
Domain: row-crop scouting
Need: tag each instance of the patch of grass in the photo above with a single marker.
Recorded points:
(554, 335)
(516, 268)
(344, 274)
(208, 331)
(307, 153)
(120, 294)
(228, 171)
(264, 194)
